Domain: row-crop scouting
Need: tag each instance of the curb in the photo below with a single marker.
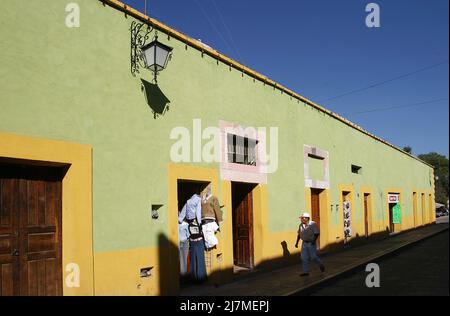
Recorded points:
(314, 286)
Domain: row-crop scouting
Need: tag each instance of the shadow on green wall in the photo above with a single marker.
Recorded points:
(168, 264)
(155, 98)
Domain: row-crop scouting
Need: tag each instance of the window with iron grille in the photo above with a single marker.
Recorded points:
(242, 150)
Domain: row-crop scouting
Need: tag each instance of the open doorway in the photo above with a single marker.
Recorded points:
(242, 205)
(391, 218)
(185, 190)
(415, 210)
(394, 214)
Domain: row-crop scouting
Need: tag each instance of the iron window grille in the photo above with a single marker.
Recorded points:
(242, 150)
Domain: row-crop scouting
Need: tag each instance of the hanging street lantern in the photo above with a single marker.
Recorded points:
(156, 55)
(153, 56)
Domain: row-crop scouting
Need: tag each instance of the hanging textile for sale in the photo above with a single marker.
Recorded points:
(211, 209)
(183, 237)
(347, 222)
(195, 232)
(191, 210)
(397, 214)
(197, 251)
(209, 231)
(197, 266)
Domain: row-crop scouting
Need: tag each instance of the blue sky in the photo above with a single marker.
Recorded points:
(322, 49)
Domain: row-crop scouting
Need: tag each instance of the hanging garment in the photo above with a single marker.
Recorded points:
(347, 219)
(183, 231)
(211, 209)
(209, 231)
(183, 237)
(198, 267)
(195, 232)
(183, 253)
(191, 210)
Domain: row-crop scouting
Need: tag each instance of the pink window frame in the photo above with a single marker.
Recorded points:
(239, 172)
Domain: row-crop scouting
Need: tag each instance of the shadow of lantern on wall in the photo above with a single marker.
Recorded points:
(155, 98)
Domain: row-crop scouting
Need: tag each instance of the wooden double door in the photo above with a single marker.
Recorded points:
(30, 230)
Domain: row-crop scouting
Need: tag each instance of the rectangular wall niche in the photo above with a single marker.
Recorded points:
(316, 167)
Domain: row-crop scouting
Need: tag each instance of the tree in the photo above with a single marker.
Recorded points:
(408, 149)
(440, 164)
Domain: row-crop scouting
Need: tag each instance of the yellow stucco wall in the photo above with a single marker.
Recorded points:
(118, 272)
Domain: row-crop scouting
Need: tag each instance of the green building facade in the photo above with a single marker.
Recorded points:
(70, 101)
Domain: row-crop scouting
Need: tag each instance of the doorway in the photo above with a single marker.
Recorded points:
(30, 230)
(391, 218)
(185, 190)
(422, 205)
(315, 210)
(242, 205)
(366, 214)
(415, 210)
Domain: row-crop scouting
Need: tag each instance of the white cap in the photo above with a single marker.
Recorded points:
(305, 215)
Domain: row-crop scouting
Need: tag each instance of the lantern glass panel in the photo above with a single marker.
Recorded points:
(158, 50)
(149, 55)
(161, 57)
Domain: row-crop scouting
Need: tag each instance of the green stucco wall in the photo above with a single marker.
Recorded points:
(74, 84)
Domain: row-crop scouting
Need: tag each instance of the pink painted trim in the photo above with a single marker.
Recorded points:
(239, 172)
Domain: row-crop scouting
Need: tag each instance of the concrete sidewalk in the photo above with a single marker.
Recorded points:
(287, 281)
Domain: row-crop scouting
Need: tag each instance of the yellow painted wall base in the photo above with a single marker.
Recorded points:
(118, 273)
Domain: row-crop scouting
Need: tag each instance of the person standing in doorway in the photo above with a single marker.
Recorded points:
(308, 232)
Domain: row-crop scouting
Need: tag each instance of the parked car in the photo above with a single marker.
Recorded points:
(442, 211)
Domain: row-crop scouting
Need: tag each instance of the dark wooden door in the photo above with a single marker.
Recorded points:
(416, 219)
(315, 209)
(30, 230)
(366, 215)
(9, 236)
(243, 226)
(391, 218)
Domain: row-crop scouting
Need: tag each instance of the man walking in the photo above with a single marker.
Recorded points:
(308, 232)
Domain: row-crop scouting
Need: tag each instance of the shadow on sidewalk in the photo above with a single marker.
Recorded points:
(291, 261)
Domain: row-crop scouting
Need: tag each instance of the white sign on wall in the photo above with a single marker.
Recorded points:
(394, 198)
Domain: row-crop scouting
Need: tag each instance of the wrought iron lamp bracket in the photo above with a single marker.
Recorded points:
(140, 34)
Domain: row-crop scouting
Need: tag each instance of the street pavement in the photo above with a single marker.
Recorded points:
(442, 220)
(419, 270)
(287, 281)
